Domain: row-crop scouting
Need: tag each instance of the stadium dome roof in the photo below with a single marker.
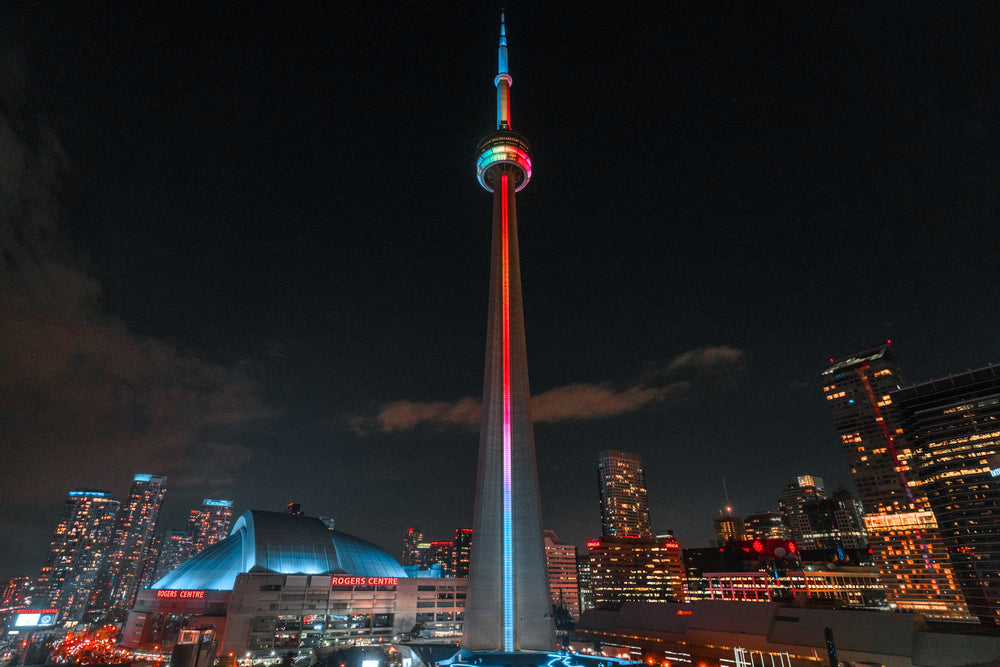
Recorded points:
(277, 542)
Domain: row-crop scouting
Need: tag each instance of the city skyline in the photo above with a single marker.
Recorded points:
(220, 264)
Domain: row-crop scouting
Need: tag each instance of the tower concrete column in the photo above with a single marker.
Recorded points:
(508, 607)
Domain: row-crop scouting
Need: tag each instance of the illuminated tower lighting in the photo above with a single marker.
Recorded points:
(509, 607)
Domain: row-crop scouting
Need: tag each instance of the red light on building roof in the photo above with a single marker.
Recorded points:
(888, 342)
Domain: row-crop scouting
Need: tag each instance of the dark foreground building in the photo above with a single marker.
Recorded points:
(742, 634)
(953, 425)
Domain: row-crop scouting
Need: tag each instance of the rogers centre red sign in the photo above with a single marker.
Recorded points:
(364, 581)
(163, 593)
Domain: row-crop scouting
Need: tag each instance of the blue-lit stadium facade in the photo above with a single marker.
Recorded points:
(284, 583)
(280, 543)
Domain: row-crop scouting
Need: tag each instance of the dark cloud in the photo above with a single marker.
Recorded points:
(576, 401)
(588, 401)
(84, 400)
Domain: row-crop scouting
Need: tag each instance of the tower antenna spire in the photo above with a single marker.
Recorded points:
(503, 80)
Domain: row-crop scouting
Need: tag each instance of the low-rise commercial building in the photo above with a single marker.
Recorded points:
(714, 633)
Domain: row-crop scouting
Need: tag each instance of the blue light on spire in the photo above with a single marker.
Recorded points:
(503, 48)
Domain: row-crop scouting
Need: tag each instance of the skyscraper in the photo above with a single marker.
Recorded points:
(728, 528)
(175, 549)
(77, 553)
(411, 546)
(461, 550)
(439, 554)
(953, 425)
(209, 524)
(134, 532)
(624, 502)
(902, 530)
(836, 523)
(509, 608)
(766, 525)
(564, 588)
(793, 501)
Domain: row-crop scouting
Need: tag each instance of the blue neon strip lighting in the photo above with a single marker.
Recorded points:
(508, 540)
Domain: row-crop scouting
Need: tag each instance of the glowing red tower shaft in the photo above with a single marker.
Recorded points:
(509, 608)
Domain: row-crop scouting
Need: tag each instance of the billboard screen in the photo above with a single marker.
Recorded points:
(35, 617)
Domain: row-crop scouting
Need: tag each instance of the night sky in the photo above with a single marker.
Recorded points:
(245, 247)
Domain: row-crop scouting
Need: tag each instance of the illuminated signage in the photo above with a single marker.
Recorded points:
(180, 594)
(995, 472)
(35, 617)
(594, 544)
(364, 581)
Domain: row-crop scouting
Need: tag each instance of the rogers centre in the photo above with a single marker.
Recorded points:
(282, 583)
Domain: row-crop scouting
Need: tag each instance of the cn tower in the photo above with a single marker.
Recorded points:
(509, 608)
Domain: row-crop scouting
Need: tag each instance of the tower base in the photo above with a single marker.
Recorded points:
(466, 658)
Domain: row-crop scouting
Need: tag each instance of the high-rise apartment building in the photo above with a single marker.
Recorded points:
(77, 553)
(624, 501)
(766, 525)
(209, 524)
(152, 559)
(836, 525)
(439, 553)
(564, 588)
(411, 547)
(14, 591)
(902, 530)
(793, 501)
(728, 528)
(624, 569)
(953, 426)
(461, 551)
(134, 533)
(583, 581)
(175, 549)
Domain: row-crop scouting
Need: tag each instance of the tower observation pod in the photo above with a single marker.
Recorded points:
(509, 608)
